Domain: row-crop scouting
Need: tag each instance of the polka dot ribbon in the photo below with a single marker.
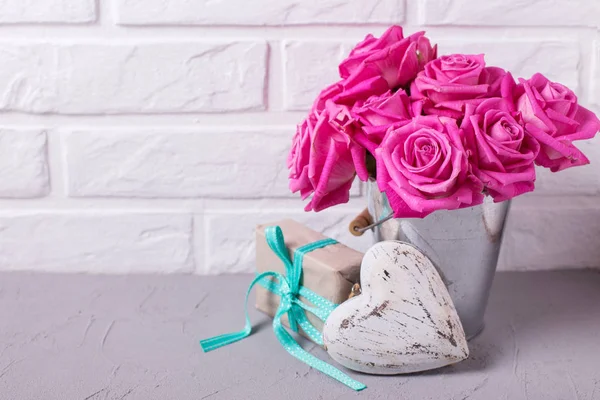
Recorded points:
(289, 289)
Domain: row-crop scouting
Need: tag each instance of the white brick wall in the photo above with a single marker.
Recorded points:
(511, 12)
(116, 78)
(23, 164)
(176, 163)
(47, 11)
(96, 241)
(257, 12)
(309, 66)
(151, 135)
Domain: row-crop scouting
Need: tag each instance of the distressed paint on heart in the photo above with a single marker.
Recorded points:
(404, 321)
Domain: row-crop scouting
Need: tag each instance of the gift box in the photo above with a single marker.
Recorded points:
(330, 271)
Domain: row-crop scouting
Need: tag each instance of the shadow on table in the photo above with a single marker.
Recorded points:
(532, 309)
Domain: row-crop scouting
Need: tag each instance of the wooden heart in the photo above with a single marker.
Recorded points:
(404, 321)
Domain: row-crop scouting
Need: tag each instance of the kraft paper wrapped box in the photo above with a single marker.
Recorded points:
(330, 271)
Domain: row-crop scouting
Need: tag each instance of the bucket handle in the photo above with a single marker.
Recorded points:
(364, 221)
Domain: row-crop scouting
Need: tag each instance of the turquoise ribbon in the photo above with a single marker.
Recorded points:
(288, 288)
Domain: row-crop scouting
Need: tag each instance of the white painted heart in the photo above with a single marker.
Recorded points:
(404, 321)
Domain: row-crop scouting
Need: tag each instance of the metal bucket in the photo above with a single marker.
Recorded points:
(464, 245)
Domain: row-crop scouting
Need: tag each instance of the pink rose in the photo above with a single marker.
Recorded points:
(554, 118)
(378, 113)
(448, 83)
(342, 94)
(422, 167)
(341, 120)
(320, 163)
(298, 159)
(334, 103)
(392, 58)
(500, 151)
(369, 46)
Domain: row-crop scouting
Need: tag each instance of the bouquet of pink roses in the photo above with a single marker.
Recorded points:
(436, 133)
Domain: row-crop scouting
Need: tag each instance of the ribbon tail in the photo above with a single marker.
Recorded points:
(216, 342)
(306, 326)
(297, 351)
(223, 340)
(311, 331)
(293, 317)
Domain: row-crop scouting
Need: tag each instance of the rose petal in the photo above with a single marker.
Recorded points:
(359, 157)
(555, 154)
(339, 196)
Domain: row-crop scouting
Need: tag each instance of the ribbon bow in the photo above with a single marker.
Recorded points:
(288, 288)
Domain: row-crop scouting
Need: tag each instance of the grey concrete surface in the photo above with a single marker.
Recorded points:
(136, 337)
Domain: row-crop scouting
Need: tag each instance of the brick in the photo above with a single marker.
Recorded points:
(47, 11)
(309, 67)
(552, 234)
(23, 164)
(177, 163)
(511, 13)
(559, 61)
(144, 78)
(199, 242)
(595, 79)
(258, 12)
(231, 237)
(96, 241)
